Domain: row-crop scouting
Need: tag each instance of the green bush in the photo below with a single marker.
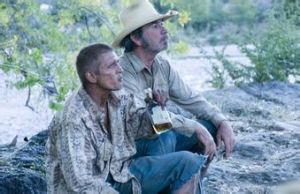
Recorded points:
(275, 52)
(292, 10)
(212, 14)
(224, 70)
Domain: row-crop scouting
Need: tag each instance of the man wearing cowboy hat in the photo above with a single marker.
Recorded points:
(144, 37)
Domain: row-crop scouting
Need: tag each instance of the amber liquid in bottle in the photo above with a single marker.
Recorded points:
(160, 118)
(160, 128)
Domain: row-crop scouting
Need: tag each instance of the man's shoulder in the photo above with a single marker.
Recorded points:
(65, 119)
(124, 60)
(162, 59)
(163, 65)
(73, 109)
(128, 63)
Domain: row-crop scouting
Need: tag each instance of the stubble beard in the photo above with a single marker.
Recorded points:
(147, 45)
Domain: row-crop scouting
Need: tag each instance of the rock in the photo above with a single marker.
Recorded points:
(276, 92)
(14, 180)
(33, 154)
(11, 144)
(22, 170)
(265, 118)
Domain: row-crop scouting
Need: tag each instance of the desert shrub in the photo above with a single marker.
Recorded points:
(274, 52)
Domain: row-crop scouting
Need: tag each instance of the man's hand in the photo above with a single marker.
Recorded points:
(207, 140)
(161, 97)
(225, 134)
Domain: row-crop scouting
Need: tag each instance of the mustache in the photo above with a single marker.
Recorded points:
(165, 38)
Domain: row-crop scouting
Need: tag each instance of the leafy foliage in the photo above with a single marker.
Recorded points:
(180, 48)
(226, 69)
(274, 53)
(39, 42)
(292, 10)
(212, 13)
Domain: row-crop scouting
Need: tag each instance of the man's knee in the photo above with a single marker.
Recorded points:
(189, 165)
(189, 159)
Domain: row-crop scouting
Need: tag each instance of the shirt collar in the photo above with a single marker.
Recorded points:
(114, 99)
(137, 64)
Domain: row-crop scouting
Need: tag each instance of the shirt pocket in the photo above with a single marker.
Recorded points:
(160, 83)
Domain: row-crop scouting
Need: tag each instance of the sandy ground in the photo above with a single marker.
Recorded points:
(16, 119)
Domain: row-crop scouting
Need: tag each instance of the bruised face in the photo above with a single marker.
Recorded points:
(109, 76)
(154, 37)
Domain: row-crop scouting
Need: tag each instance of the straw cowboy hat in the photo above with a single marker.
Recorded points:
(138, 15)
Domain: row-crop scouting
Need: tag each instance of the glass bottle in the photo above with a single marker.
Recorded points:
(161, 121)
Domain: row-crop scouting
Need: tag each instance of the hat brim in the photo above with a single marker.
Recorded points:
(116, 43)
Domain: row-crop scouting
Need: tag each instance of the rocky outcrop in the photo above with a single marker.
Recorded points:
(266, 121)
(22, 170)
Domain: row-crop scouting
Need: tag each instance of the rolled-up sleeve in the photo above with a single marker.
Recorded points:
(184, 125)
(76, 153)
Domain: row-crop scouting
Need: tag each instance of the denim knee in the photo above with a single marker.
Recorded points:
(169, 170)
(189, 164)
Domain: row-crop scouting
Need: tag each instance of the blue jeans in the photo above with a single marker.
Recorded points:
(152, 154)
(171, 141)
(156, 173)
(161, 163)
(171, 170)
(162, 144)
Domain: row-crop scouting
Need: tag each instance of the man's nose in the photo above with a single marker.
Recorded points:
(164, 29)
(119, 69)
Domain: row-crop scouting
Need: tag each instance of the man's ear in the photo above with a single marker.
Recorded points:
(90, 77)
(136, 39)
